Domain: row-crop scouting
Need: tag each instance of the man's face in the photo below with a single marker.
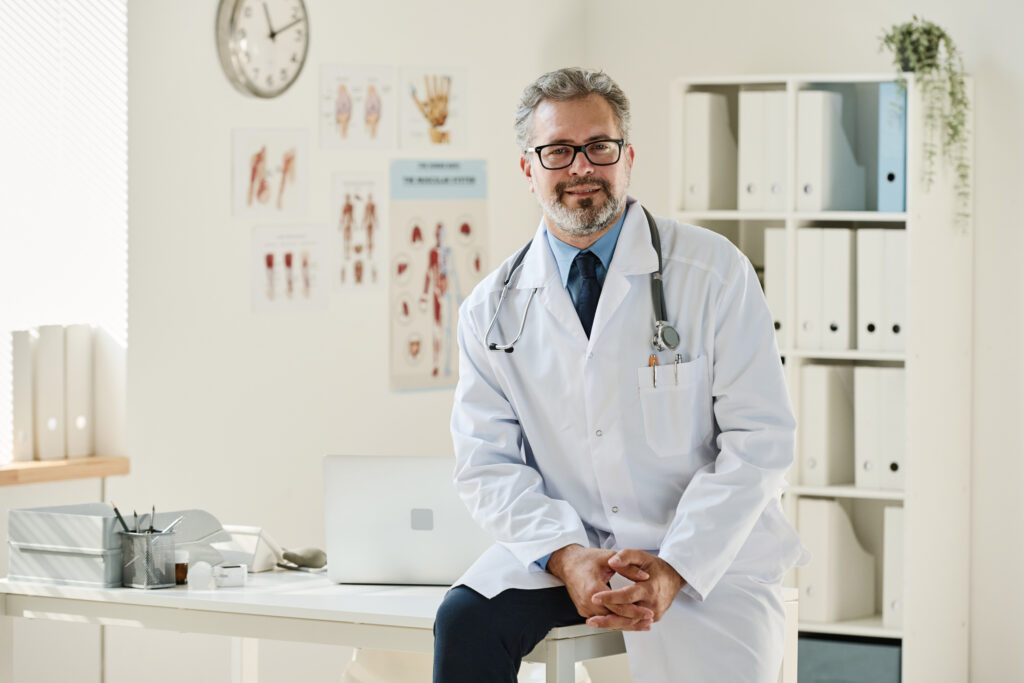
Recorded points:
(581, 200)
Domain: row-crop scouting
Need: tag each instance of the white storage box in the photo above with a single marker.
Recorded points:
(67, 544)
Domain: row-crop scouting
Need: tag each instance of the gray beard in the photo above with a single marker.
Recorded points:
(586, 220)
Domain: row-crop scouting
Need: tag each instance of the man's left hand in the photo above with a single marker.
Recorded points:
(656, 593)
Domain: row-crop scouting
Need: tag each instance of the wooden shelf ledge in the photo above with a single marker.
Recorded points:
(36, 471)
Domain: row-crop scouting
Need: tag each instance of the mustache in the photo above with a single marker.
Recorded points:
(560, 188)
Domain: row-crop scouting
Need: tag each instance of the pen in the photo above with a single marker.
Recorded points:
(136, 521)
(679, 359)
(173, 524)
(119, 517)
(152, 517)
(653, 362)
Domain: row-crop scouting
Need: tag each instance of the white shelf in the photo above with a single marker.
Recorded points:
(858, 216)
(729, 215)
(844, 216)
(845, 491)
(869, 627)
(867, 356)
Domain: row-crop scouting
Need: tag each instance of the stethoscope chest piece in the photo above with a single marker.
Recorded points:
(665, 336)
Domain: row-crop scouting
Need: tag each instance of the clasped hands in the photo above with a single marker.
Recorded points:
(587, 571)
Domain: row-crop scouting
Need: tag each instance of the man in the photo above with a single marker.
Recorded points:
(629, 487)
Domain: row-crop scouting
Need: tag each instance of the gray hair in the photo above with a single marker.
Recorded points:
(569, 84)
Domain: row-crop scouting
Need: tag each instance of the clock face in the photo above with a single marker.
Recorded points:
(262, 43)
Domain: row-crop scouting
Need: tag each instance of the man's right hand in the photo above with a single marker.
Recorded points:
(585, 571)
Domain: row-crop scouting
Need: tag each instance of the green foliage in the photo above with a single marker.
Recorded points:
(927, 50)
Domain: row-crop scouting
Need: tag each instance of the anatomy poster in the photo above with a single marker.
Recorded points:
(356, 238)
(433, 107)
(270, 169)
(438, 245)
(288, 268)
(357, 106)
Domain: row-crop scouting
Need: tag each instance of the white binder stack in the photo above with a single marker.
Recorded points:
(828, 176)
(892, 568)
(776, 280)
(826, 309)
(761, 184)
(23, 358)
(881, 290)
(78, 389)
(709, 172)
(839, 582)
(49, 394)
(826, 425)
(880, 429)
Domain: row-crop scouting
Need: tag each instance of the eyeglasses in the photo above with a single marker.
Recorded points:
(599, 153)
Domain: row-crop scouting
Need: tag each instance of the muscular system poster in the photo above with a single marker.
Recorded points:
(438, 239)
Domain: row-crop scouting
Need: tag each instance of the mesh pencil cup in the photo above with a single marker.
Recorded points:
(147, 560)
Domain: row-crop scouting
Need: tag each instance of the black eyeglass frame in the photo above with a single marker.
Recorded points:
(576, 149)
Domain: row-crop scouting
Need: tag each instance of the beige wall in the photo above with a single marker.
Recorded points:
(233, 411)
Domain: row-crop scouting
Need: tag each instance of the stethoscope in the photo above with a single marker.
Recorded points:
(665, 336)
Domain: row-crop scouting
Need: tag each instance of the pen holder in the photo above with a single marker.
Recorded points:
(147, 560)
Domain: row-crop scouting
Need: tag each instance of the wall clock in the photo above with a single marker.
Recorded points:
(262, 44)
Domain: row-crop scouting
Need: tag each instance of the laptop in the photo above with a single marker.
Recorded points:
(397, 520)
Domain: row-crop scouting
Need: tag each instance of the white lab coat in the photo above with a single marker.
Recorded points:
(570, 440)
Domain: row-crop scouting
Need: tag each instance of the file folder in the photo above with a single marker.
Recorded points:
(709, 154)
(809, 278)
(839, 582)
(109, 382)
(775, 282)
(892, 568)
(871, 290)
(828, 176)
(893, 428)
(892, 147)
(78, 392)
(750, 189)
(826, 425)
(775, 148)
(867, 448)
(894, 332)
(50, 434)
(838, 329)
(23, 353)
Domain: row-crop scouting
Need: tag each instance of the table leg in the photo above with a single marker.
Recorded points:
(6, 644)
(561, 664)
(245, 660)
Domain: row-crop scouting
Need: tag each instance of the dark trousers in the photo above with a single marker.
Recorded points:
(477, 640)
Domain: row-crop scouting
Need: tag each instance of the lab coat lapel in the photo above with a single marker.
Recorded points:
(634, 255)
(540, 271)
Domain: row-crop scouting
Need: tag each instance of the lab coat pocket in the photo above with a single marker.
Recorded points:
(676, 404)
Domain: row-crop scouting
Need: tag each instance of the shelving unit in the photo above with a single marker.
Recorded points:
(937, 363)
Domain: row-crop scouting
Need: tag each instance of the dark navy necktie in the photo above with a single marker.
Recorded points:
(590, 289)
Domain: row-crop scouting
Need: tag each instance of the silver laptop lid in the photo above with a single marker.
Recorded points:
(397, 520)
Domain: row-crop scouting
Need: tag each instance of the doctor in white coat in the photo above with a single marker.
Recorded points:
(630, 485)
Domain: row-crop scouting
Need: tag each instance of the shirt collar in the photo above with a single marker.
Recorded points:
(603, 248)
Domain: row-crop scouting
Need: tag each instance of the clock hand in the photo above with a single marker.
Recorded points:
(285, 28)
(270, 25)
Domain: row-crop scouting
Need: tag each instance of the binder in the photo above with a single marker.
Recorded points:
(838, 329)
(775, 282)
(49, 427)
(828, 176)
(892, 147)
(839, 582)
(893, 428)
(809, 277)
(78, 392)
(867, 440)
(109, 382)
(775, 149)
(826, 427)
(892, 567)
(23, 352)
(871, 289)
(709, 154)
(894, 329)
(750, 175)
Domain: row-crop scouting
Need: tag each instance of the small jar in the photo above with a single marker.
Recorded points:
(180, 567)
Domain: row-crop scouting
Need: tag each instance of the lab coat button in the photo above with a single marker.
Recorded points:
(599, 432)
(615, 508)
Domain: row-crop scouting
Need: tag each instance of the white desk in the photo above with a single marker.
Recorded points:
(296, 606)
(291, 606)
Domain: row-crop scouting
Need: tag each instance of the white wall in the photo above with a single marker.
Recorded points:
(232, 411)
(668, 39)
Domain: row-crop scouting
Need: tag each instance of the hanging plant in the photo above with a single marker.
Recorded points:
(921, 47)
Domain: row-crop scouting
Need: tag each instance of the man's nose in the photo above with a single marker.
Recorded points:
(581, 165)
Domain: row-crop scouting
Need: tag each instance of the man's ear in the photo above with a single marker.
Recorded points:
(524, 164)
